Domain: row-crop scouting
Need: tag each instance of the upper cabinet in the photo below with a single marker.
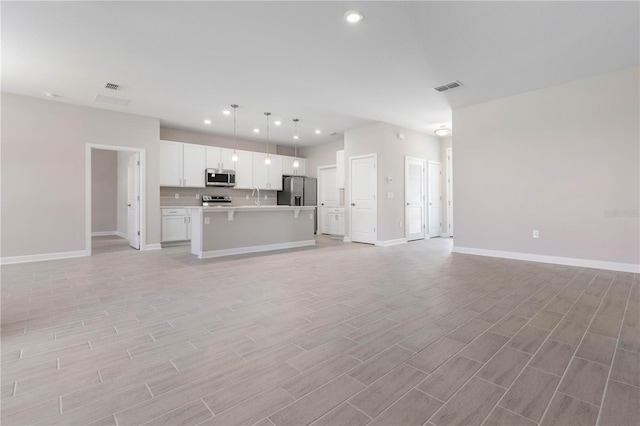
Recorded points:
(340, 169)
(182, 164)
(244, 170)
(289, 170)
(220, 158)
(267, 176)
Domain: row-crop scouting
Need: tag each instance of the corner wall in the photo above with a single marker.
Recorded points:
(43, 154)
(104, 183)
(563, 160)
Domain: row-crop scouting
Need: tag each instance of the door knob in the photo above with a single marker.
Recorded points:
(353, 204)
(128, 205)
(407, 203)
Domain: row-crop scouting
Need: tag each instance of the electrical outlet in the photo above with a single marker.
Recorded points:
(206, 220)
(177, 196)
(311, 216)
(400, 223)
(536, 233)
(197, 196)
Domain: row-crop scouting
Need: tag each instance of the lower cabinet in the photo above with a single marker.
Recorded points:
(176, 225)
(333, 221)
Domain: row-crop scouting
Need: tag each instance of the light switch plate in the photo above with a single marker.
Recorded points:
(206, 220)
(536, 233)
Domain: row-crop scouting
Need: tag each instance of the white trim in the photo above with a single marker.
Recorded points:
(346, 239)
(41, 257)
(388, 243)
(148, 247)
(570, 261)
(449, 189)
(255, 249)
(143, 190)
(444, 235)
(318, 186)
(122, 235)
(103, 233)
(431, 163)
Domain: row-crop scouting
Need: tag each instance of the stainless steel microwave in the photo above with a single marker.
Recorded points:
(216, 177)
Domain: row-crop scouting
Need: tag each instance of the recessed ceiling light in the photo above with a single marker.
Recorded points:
(277, 123)
(207, 121)
(256, 130)
(443, 131)
(353, 16)
(318, 131)
(226, 112)
(296, 137)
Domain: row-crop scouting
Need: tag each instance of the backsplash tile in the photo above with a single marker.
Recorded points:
(193, 196)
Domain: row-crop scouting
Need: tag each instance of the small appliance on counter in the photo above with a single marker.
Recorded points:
(299, 191)
(215, 200)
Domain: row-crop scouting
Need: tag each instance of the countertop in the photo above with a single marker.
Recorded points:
(252, 208)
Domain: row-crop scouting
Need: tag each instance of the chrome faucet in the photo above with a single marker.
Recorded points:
(257, 202)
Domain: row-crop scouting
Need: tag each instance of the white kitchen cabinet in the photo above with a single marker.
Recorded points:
(175, 225)
(170, 163)
(326, 222)
(220, 158)
(194, 165)
(267, 176)
(289, 170)
(244, 170)
(182, 164)
(340, 169)
(335, 225)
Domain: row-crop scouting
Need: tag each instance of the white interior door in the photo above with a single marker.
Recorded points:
(328, 196)
(435, 199)
(364, 207)
(414, 176)
(450, 192)
(133, 197)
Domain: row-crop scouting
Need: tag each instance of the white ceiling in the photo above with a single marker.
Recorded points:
(183, 62)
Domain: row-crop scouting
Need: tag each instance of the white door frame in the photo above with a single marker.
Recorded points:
(319, 186)
(449, 187)
(87, 196)
(429, 164)
(424, 192)
(357, 157)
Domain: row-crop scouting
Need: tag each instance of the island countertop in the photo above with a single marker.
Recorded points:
(251, 208)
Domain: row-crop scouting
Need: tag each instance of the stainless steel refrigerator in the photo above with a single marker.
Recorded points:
(299, 191)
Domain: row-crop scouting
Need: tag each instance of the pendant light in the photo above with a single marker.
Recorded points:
(234, 156)
(296, 163)
(267, 159)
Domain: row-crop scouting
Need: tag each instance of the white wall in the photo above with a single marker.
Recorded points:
(123, 192)
(555, 160)
(104, 182)
(382, 139)
(43, 154)
(320, 155)
(445, 143)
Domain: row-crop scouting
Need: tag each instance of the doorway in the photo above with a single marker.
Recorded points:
(328, 196)
(363, 205)
(434, 199)
(414, 211)
(125, 166)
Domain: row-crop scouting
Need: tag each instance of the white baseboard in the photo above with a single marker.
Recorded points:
(152, 247)
(444, 235)
(569, 261)
(255, 249)
(103, 233)
(388, 243)
(346, 239)
(42, 257)
(122, 235)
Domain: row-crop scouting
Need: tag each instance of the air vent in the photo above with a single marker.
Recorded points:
(448, 86)
(111, 86)
(333, 134)
(112, 101)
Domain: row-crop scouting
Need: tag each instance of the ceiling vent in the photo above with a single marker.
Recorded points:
(448, 86)
(112, 101)
(111, 86)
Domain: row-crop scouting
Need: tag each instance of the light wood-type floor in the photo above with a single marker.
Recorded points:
(341, 334)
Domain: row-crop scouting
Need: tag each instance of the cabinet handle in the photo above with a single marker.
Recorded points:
(184, 220)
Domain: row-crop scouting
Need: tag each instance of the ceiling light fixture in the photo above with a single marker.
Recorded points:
(277, 123)
(234, 156)
(318, 131)
(267, 159)
(256, 130)
(443, 131)
(226, 111)
(296, 163)
(207, 121)
(353, 16)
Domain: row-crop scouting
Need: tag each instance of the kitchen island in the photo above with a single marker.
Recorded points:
(230, 230)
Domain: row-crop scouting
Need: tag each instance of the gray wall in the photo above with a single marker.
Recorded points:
(104, 183)
(555, 160)
(43, 153)
(382, 139)
(321, 155)
(123, 191)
